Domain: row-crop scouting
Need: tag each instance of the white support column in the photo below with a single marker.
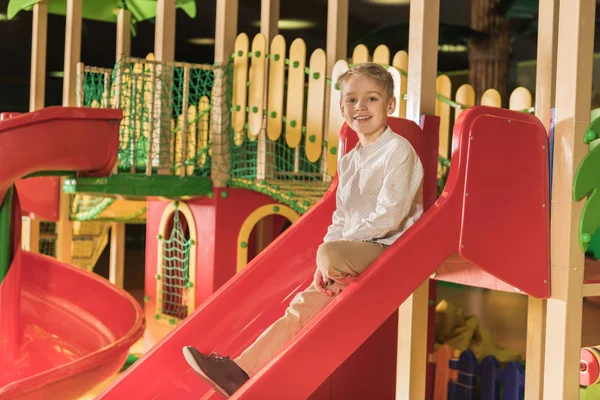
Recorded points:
(39, 39)
(269, 18)
(544, 102)
(411, 369)
(164, 33)
(573, 104)
(123, 34)
(422, 58)
(117, 253)
(117, 229)
(336, 49)
(545, 79)
(37, 89)
(64, 227)
(225, 33)
(337, 32)
(164, 50)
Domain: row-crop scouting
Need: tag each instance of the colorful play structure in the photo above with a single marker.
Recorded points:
(232, 167)
(57, 339)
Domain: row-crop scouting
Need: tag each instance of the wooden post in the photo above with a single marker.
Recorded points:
(413, 316)
(123, 34)
(269, 17)
(185, 119)
(64, 227)
(117, 229)
(225, 33)
(337, 49)
(546, 60)
(337, 32)
(72, 51)
(164, 33)
(117, 253)
(37, 89)
(544, 102)
(164, 50)
(422, 59)
(573, 104)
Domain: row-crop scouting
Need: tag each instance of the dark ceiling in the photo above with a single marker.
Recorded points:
(98, 41)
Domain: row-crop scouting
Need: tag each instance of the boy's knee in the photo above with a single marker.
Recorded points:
(328, 254)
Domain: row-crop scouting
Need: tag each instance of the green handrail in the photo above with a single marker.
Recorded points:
(6, 214)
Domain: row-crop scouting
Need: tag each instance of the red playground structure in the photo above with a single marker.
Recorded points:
(493, 212)
(62, 330)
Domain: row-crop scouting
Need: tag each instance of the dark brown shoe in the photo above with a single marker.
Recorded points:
(221, 373)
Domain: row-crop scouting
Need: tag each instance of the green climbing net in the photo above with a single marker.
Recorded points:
(172, 114)
(285, 173)
(175, 278)
(166, 113)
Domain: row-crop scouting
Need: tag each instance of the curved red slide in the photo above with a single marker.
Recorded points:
(62, 330)
(512, 245)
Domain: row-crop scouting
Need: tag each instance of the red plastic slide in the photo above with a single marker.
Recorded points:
(515, 237)
(62, 330)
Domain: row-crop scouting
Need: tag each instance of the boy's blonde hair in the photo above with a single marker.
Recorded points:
(373, 71)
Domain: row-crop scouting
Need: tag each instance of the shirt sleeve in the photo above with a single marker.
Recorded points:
(400, 190)
(335, 230)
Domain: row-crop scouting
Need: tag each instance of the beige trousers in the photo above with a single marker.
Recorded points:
(340, 262)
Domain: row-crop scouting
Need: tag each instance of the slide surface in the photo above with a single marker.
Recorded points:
(58, 139)
(62, 330)
(238, 312)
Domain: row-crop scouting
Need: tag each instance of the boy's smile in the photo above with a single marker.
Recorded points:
(365, 106)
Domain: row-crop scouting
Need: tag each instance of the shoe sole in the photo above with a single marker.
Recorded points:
(191, 360)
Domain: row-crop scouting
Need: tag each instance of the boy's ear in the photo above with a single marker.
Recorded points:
(392, 105)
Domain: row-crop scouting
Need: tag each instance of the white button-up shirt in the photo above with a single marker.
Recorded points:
(380, 191)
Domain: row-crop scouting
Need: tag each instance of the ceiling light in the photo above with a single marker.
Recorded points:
(452, 48)
(202, 41)
(389, 2)
(57, 74)
(291, 24)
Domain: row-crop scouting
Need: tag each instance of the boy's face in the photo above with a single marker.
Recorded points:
(365, 107)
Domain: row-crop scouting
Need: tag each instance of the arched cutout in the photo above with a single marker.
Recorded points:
(175, 294)
(251, 221)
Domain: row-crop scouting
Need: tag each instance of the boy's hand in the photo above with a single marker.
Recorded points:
(321, 282)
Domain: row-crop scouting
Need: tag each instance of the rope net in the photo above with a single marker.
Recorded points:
(177, 121)
(175, 276)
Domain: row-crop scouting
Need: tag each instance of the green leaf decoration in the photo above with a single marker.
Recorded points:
(587, 183)
(103, 10)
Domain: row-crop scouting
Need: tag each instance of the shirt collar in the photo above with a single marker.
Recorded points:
(381, 141)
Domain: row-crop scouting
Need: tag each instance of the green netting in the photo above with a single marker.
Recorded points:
(175, 269)
(285, 173)
(179, 108)
(90, 238)
(166, 105)
(48, 238)
(85, 208)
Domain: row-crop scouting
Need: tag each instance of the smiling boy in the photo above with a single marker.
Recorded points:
(379, 196)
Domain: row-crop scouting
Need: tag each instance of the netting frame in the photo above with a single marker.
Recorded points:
(168, 214)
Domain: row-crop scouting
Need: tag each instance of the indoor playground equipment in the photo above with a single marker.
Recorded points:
(76, 229)
(57, 339)
(459, 210)
(215, 149)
